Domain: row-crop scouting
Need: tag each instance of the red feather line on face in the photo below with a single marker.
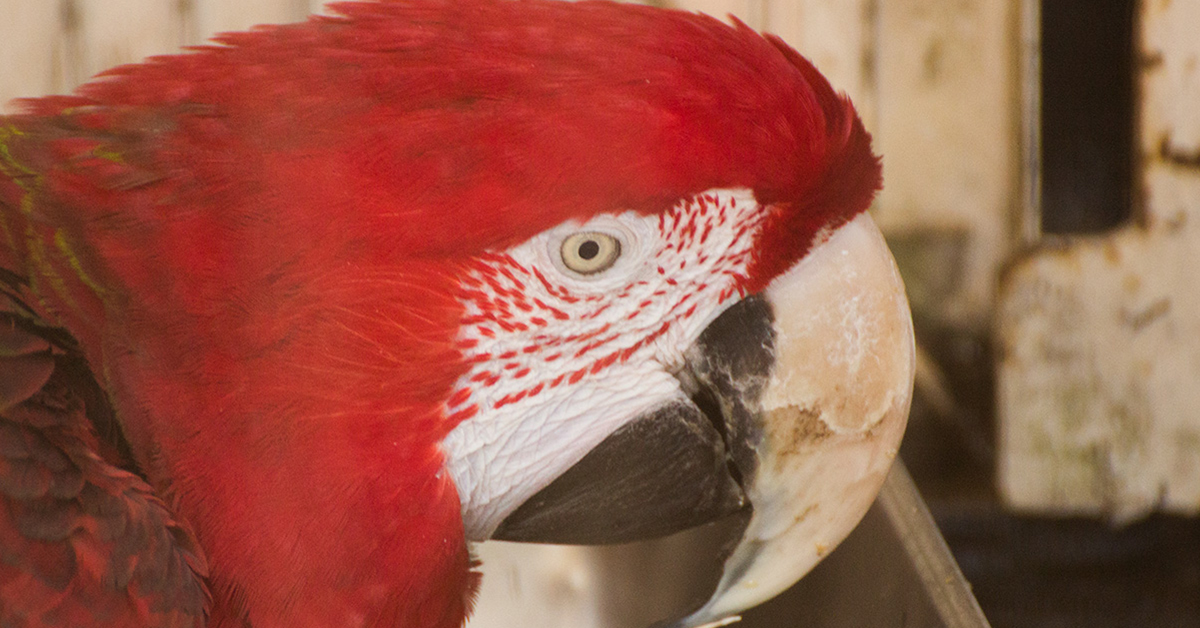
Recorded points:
(600, 329)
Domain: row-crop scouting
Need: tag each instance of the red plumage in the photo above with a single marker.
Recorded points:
(256, 249)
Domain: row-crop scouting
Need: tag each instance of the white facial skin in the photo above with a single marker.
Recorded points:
(603, 348)
(562, 359)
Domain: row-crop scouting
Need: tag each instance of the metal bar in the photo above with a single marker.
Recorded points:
(893, 570)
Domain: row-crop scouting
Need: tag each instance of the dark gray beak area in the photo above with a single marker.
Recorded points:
(684, 464)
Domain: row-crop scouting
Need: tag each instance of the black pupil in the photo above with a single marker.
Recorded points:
(589, 249)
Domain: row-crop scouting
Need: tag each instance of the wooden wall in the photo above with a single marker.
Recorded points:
(1099, 337)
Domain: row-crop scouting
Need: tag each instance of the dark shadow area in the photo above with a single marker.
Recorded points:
(1061, 573)
(1087, 114)
(1036, 572)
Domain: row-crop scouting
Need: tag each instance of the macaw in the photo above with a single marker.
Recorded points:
(291, 320)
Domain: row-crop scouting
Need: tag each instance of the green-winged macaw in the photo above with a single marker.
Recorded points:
(289, 321)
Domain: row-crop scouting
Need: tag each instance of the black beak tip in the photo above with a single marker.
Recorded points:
(681, 465)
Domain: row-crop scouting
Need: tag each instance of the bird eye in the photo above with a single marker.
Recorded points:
(589, 252)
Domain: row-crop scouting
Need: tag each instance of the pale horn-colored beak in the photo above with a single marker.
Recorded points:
(832, 414)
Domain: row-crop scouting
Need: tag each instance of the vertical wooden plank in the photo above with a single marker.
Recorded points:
(209, 17)
(1171, 81)
(947, 128)
(749, 11)
(1028, 215)
(30, 48)
(106, 33)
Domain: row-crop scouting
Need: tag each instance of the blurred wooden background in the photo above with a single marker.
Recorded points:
(1098, 336)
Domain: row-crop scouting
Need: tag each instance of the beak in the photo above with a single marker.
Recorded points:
(791, 410)
(830, 416)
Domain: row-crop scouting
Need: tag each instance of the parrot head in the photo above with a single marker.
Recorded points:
(364, 290)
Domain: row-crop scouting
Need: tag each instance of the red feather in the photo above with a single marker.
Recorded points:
(257, 247)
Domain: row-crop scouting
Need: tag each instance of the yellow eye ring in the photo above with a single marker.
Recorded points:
(590, 252)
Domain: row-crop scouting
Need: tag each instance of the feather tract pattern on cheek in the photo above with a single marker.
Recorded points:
(558, 360)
